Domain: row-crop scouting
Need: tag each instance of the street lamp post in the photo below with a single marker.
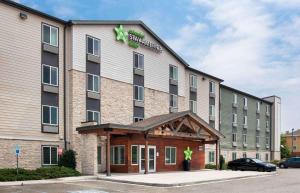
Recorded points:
(292, 141)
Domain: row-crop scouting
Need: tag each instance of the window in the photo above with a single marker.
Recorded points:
(211, 110)
(257, 156)
(170, 155)
(245, 120)
(173, 72)
(50, 115)
(267, 140)
(234, 118)
(99, 152)
(235, 98)
(93, 83)
(137, 119)
(267, 109)
(117, 154)
(134, 155)
(258, 106)
(244, 155)
(267, 157)
(193, 81)
(233, 155)
(257, 123)
(173, 100)
(257, 138)
(233, 137)
(245, 102)
(267, 124)
(294, 147)
(93, 46)
(138, 61)
(93, 116)
(50, 35)
(211, 156)
(193, 106)
(49, 155)
(244, 138)
(50, 75)
(138, 93)
(212, 87)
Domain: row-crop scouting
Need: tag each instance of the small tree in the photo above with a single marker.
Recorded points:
(284, 149)
(222, 162)
(68, 159)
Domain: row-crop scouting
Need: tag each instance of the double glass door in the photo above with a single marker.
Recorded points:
(151, 158)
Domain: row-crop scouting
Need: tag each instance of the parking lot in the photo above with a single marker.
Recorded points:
(287, 181)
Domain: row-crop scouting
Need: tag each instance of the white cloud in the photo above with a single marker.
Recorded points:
(249, 47)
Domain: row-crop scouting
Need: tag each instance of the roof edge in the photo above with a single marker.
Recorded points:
(205, 74)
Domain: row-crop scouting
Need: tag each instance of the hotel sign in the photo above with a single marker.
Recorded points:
(135, 39)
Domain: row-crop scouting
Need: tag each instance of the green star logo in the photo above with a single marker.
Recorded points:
(188, 154)
(121, 34)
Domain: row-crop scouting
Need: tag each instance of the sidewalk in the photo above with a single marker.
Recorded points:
(49, 181)
(169, 179)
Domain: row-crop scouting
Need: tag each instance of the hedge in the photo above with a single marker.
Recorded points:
(38, 174)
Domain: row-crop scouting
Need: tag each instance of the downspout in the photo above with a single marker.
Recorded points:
(65, 87)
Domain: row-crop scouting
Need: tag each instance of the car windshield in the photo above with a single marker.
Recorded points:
(257, 161)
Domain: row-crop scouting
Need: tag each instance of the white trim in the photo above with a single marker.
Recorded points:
(235, 98)
(234, 137)
(137, 155)
(87, 47)
(193, 79)
(140, 119)
(212, 85)
(93, 115)
(234, 118)
(175, 97)
(193, 106)
(245, 102)
(139, 66)
(174, 67)
(139, 87)
(51, 27)
(93, 76)
(50, 115)
(50, 78)
(50, 156)
(171, 147)
(212, 110)
(113, 154)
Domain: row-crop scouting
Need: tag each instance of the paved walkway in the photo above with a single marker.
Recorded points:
(168, 179)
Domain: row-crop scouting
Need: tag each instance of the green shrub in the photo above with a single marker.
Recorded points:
(210, 166)
(68, 159)
(38, 174)
(222, 162)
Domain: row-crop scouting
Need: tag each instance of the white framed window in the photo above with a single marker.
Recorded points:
(93, 46)
(170, 155)
(138, 61)
(245, 102)
(245, 138)
(211, 110)
(233, 155)
(117, 153)
(267, 140)
(245, 120)
(173, 100)
(234, 118)
(257, 156)
(138, 93)
(137, 119)
(267, 124)
(134, 154)
(50, 35)
(257, 123)
(211, 157)
(49, 115)
(212, 87)
(49, 75)
(93, 83)
(233, 137)
(267, 109)
(173, 72)
(234, 98)
(49, 155)
(258, 106)
(93, 116)
(244, 155)
(257, 138)
(193, 106)
(193, 81)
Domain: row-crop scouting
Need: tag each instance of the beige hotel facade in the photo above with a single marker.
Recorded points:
(57, 76)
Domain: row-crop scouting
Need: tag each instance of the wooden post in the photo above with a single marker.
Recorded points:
(146, 154)
(217, 154)
(108, 154)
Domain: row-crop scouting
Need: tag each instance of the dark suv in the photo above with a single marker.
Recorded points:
(293, 162)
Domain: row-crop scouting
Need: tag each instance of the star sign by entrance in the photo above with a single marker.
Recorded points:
(121, 33)
(188, 154)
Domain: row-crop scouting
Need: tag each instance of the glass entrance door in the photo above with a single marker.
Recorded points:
(151, 159)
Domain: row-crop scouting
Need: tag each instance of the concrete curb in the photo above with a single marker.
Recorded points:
(186, 183)
(49, 181)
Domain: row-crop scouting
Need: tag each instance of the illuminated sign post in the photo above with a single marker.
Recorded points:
(135, 39)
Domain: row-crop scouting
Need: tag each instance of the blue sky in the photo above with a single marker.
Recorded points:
(253, 45)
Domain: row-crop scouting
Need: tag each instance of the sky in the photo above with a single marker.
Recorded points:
(254, 45)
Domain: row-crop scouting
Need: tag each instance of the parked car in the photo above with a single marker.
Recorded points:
(250, 164)
(293, 162)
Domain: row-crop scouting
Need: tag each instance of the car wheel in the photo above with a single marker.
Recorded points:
(234, 168)
(281, 165)
(261, 169)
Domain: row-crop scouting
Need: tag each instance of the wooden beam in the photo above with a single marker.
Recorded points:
(191, 125)
(217, 154)
(108, 154)
(180, 124)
